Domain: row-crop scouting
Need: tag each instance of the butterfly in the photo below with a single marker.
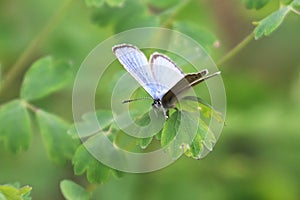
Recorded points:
(162, 79)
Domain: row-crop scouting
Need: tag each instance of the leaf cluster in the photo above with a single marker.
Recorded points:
(270, 23)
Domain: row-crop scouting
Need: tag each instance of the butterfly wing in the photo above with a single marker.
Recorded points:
(135, 62)
(165, 73)
(170, 98)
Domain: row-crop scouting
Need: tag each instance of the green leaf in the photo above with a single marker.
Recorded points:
(144, 142)
(195, 148)
(10, 192)
(205, 38)
(171, 128)
(44, 77)
(15, 128)
(255, 4)
(206, 110)
(83, 161)
(208, 137)
(60, 146)
(73, 191)
(95, 3)
(179, 132)
(87, 128)
(204, 138)
(271, 23)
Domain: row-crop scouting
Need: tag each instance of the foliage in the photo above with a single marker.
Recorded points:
(48, 76)
(73, 191)
(269, 24)
(14, 192)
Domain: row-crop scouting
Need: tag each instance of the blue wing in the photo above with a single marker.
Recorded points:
(136, 63)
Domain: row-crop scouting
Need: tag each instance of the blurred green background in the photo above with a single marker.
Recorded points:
(257, 155)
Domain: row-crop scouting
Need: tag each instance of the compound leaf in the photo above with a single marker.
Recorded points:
(271, 23)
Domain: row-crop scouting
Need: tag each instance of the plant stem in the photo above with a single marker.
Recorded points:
(295, 11)
(236, 49)
(31, 107)
(23, 62)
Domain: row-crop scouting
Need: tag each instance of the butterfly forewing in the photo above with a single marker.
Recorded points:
(135, 62)
(165, 72)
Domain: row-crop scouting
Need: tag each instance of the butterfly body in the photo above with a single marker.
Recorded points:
(160, 77)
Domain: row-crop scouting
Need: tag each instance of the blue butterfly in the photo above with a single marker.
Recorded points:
(160, 77)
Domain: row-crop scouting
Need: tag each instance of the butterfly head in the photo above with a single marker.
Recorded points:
(157, 103)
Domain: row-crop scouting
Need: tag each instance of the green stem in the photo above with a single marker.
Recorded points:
(31, 107)
(295, 11)
(236, 49)
(23, 62)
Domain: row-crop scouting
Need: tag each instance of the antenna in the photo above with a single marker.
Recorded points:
(142, 98)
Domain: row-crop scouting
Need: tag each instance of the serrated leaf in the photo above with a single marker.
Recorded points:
(87, 127)
(44, 77)
(95, 3)
(73, 191)
(83, 161)
(271, 23)
(200, 34)
(15, 128)
(255, 4)
(10, 192)
(60, 146)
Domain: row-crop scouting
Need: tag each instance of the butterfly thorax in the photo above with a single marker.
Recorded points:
(157, 103)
